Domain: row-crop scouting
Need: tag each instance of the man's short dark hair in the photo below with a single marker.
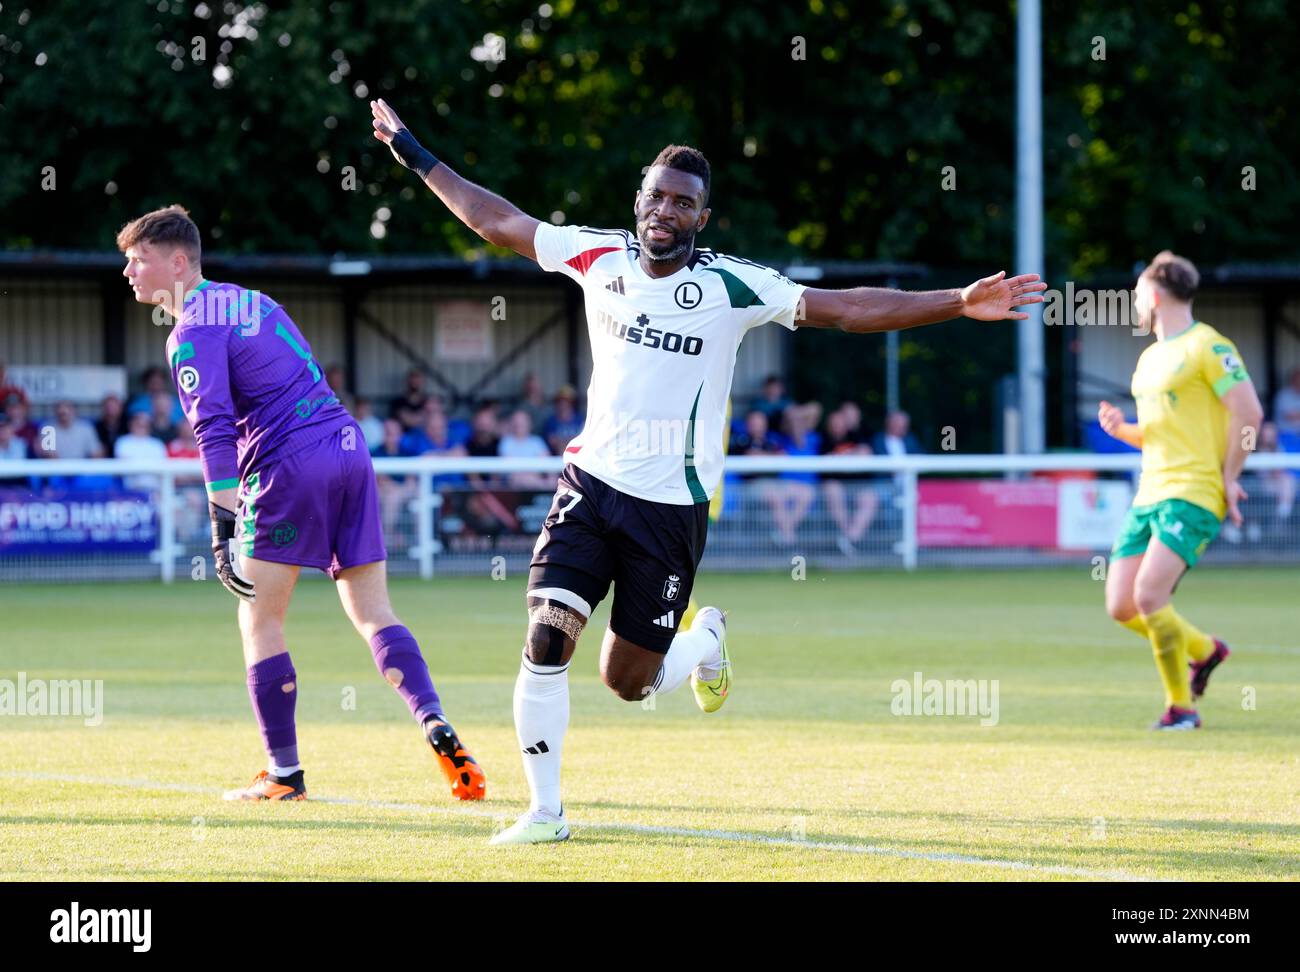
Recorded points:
(683, 158)
(170, 225)
(1176, 275)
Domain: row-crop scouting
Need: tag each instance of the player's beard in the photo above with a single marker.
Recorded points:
(667, 251)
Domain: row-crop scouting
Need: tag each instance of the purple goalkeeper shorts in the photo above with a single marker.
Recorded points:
(318, 507)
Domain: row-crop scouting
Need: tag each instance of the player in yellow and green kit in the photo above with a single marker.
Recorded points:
(1198, 415)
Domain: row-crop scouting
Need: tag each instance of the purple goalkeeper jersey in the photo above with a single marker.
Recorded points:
(247, 381)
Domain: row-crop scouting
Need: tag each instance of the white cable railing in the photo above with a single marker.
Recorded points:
(431, 525)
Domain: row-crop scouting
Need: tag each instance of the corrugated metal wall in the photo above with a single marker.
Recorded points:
(1110, 353)
(50, 322)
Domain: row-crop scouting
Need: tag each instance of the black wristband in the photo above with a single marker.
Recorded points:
(412, 154)
(223, 523)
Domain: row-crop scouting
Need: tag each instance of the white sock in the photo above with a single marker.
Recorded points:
(282, 771)
(689, 650)
(541, 719)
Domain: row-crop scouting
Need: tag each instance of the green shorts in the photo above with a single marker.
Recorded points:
(1183, 527)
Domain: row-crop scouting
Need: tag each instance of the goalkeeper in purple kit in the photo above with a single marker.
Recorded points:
(290, 485)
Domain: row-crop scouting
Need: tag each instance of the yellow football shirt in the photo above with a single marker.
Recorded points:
(1177, 385)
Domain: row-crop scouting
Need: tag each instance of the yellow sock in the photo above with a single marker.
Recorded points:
(1199, 645)
(1169, 645)
(1137, 625)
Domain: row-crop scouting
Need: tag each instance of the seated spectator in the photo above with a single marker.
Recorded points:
(1286, 405)
(372, 427)
(72, 437)
(7, 388)
(140, 443)
(111, 422)
(897, 438)
(793, 493)
(841, 488)
(773, 401)
(434, 439)
(408, 406)
(184, 446)
(1279, 484)
(757, 439)
(395, 489)
(518, 442)
(11, 448)
(156, 382)
(564, 423)
(337, 379)
(484, 510)
(17, 411)
(164, 420)
(533, 401)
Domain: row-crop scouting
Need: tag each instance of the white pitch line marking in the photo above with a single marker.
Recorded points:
(731, 836)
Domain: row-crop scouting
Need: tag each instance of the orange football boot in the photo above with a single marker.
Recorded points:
(267, 787)
(458, 766)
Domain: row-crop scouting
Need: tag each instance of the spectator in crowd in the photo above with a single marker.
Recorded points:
(184, 446)
(533, 401)
(897, 438)
(756, 439)
(8, 388)
(156, 382)
(11, 448)
(164, 417)
(372, 427)
(192, 496)
(433, 439)
(140, 443)
(408, 407)
(773, 401)
(564, 423)
(485, 511)
(337, 379)
(1286, 405)
(1279, 484)
(18, 412)
(519, 442)
(842, 489)
(793, 493)
(73, 437)
(111, 422)
(395, 489)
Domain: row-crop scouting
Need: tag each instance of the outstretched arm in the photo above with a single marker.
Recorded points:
(865, 309)
(487, 214)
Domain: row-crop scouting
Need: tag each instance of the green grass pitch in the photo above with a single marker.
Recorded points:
(804, 774)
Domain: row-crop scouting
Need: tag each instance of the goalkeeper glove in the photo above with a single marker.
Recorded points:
(225, 555)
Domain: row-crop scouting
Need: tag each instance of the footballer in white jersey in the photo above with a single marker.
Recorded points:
(665, 319)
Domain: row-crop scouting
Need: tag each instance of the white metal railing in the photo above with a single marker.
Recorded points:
(426, 503)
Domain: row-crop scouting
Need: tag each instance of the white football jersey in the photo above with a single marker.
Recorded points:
(663, 355)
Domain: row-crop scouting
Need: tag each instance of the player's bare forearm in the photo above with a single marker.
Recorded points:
(492, 217)
(870, 309)
(1245, 416)
(495, 219)
(1130, 433)
(225, 498)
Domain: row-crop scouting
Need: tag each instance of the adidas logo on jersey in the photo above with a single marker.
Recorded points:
(616, 285)
(666, 621)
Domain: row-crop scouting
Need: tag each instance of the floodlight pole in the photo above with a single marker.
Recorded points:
(1029, 220)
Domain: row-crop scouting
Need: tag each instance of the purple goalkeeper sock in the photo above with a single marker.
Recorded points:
(398, 658)
(273, 689)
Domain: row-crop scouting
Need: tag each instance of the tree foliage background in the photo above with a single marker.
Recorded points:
(838, 155)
